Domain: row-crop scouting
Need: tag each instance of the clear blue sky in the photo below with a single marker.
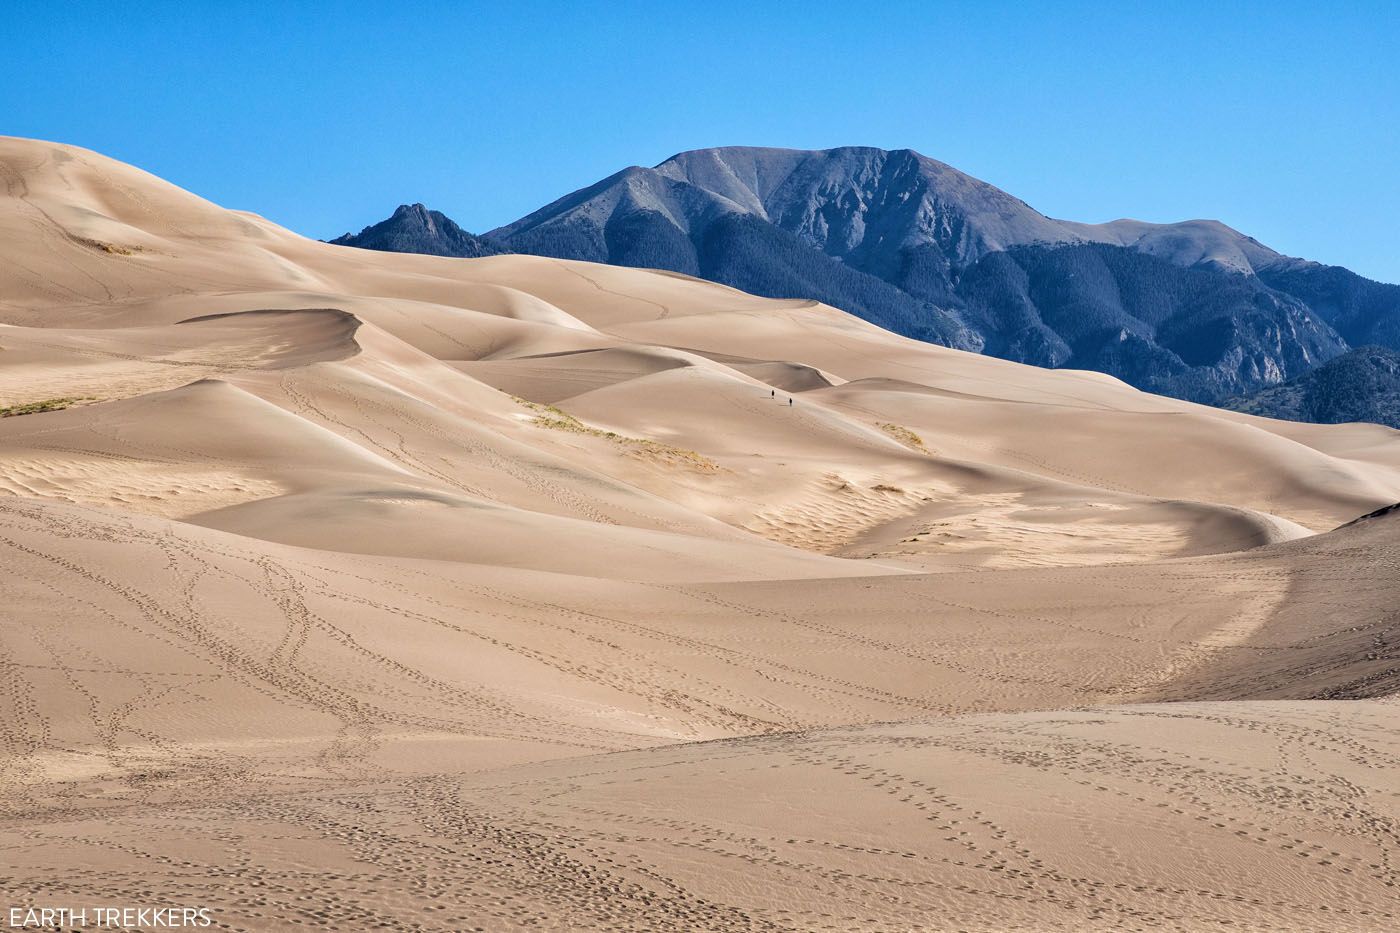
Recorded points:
(1282, 118)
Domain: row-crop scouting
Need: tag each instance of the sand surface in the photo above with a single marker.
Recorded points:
(349, 590)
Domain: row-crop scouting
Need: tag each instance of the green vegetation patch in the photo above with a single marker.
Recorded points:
(34, 408)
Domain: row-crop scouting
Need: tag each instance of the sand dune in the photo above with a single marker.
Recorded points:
(354, 590)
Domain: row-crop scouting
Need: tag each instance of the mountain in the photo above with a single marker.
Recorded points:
(1195, 310)
(1363, 385)
(889, 213)
(412, 228)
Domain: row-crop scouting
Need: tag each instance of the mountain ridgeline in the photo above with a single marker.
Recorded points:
(1195, 310)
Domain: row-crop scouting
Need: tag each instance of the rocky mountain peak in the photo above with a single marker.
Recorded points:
(413, 228)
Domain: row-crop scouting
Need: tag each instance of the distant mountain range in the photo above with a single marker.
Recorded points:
(1195, 310)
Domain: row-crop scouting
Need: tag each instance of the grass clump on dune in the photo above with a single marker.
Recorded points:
(905, 436)
(113, 249)
(34, 408)
(547, 416)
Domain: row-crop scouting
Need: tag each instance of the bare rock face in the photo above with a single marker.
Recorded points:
(1363, 385)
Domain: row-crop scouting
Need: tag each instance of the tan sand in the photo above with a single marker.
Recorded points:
(348, 590)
